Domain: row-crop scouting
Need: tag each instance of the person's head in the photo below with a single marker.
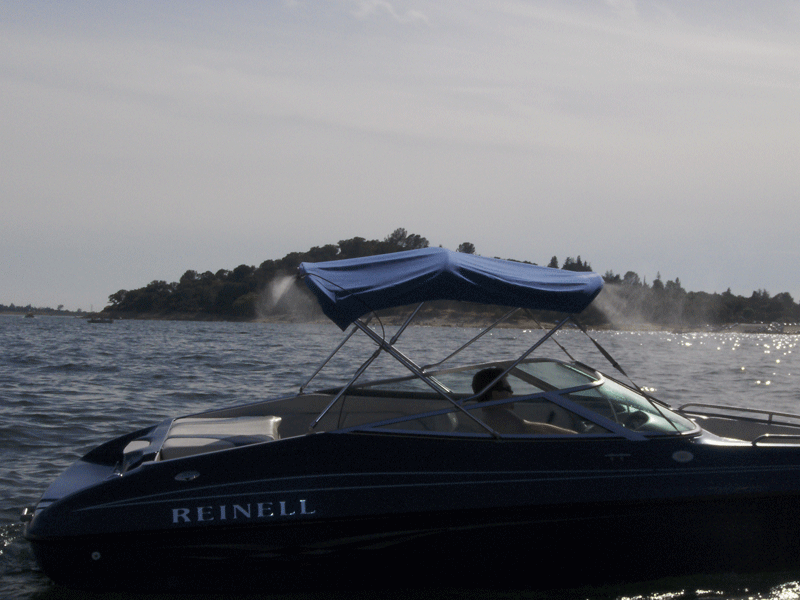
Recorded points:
(484, 377)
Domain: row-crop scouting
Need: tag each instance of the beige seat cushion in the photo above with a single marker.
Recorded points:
(201, 427)
(198, 435)
(182, 447)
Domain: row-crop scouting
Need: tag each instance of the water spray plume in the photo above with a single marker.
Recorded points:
(278, 287)
(282, 296)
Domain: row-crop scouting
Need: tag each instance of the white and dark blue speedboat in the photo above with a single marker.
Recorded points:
(523, 472)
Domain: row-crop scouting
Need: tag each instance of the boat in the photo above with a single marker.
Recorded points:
(523, 472)
(101, 320)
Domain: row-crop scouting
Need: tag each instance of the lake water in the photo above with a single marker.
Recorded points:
(66, 385)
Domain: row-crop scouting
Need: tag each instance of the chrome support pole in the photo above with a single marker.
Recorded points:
(381, 346)
(330, 356)
(416, 370)
(341, 393)
(400, 331)
(525, 355)
(475, 339)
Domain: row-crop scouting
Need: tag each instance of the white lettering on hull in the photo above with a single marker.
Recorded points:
(235, 512)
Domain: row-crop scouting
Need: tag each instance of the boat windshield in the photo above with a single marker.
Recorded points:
(570, 398)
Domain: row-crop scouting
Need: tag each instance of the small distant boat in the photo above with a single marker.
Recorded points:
(106, 320)
(29, 315)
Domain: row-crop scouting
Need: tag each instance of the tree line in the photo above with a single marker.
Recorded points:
(240, 293)
(40, 310)
(237, 294)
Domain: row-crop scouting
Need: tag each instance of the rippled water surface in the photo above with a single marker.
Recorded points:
(66, 385)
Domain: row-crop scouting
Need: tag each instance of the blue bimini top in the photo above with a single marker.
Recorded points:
(349, 289)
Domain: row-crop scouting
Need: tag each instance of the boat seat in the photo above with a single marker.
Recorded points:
(135, 446)
(547, 412)
(535, 412)
(198, 435)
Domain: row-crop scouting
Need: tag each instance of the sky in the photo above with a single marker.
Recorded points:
(142, 139)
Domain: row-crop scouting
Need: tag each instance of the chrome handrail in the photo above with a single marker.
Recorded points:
(768, 413)
(782, 436)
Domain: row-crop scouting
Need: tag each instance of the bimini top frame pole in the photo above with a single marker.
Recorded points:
(347, 338)
(358, 325)
(419, 372)
(475, 339)
(388, 346)
(350, 289)
(330, 356)
(522, 357)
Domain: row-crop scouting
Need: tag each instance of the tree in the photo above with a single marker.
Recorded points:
(117, 298)
(631, 278)
(576, 264)
(658, 285)
(324, 253)
(242, 273)
(674, 287)
(188, 277)
(355, 247)
(236, 293)
(397, 237)
(401, 238)
(415, 242)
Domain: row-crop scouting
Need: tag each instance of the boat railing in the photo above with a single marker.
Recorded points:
(769, 416)
(777, 439)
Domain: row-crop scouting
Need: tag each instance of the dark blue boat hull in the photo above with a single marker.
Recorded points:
(318, 511)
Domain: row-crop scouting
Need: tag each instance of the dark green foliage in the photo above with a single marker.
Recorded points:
(243, 292)
(237, 294)
(668, 304)
(401, 240)
(40, 310)
(574, 264)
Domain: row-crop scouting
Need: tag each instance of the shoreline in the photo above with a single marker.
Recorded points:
(447, 319)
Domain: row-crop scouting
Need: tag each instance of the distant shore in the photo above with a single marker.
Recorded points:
(45, 313)
(443, 319)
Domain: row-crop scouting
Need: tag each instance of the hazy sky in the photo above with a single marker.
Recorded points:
(142, 139)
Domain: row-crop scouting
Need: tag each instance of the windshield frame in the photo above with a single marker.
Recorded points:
(551, 393)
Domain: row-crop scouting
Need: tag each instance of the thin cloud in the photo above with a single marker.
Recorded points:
(369, 8)
(163, 140)
(625, 8)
